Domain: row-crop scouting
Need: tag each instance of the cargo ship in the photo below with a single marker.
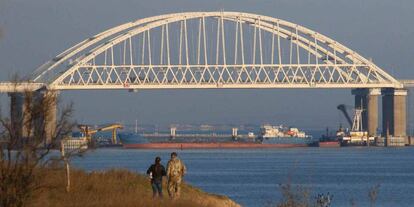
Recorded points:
(269, 137)
(332, 140)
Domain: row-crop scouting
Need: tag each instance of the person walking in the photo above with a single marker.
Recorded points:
(156, 171)
(175, 173)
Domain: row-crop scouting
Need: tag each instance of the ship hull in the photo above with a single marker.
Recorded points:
(223, 145)
(329, 144)
(134, 141)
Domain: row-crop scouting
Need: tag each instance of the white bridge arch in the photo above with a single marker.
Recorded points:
(210, 50)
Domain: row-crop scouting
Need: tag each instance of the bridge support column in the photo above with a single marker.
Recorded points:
(47, 101)
(41, 105)
(367, 99)
(394, 117)
(19, 114)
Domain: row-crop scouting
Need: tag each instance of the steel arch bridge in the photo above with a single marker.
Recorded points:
(210, 50)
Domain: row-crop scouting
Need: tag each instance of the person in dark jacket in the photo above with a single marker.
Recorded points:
(156, 172)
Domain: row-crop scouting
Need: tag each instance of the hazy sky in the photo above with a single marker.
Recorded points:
(37, 30)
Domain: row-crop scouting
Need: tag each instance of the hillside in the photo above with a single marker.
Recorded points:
(116, 188)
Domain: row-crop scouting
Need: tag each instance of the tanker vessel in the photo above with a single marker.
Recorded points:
(268, 137)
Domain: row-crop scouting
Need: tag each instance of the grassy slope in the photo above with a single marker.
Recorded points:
(116, 188)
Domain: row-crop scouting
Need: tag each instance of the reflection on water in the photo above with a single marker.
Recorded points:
(251, 177)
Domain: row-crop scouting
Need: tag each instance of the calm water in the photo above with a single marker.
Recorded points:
(251, 177)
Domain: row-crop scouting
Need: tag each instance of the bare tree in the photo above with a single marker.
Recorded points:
(294, 196)
(24, 155)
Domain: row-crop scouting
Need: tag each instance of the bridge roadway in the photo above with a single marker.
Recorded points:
(407, 83)
(9, 87)
(20, 87)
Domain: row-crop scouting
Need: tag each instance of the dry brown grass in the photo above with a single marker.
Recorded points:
(115, 188)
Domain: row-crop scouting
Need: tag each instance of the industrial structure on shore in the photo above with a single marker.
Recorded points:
(217, 50)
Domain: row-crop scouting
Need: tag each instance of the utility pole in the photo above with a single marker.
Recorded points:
(66, 160)
(387, 136)
(136, 126)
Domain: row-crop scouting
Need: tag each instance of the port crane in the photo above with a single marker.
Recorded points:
(88, 132)
(342, 108)
(356, 122)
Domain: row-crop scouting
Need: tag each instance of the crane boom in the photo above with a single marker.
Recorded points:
(112, 126)
(89, 132)
(342, 108)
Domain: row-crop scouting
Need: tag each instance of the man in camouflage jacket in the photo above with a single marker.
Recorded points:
(175, 172)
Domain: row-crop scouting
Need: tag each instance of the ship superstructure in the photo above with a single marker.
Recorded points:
(269, 131)
(356, 135)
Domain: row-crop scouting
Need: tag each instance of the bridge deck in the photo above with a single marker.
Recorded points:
(7, 87)
(407, 83)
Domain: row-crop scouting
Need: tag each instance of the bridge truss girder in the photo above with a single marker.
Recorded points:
(211, 50)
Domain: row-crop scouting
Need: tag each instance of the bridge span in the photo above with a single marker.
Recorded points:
(219, 50)
(23, 86)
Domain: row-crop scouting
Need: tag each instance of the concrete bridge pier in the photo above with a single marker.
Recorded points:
(394, 112)
(367, 100)
(42, 105)
(20, 115)
(47, 101)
